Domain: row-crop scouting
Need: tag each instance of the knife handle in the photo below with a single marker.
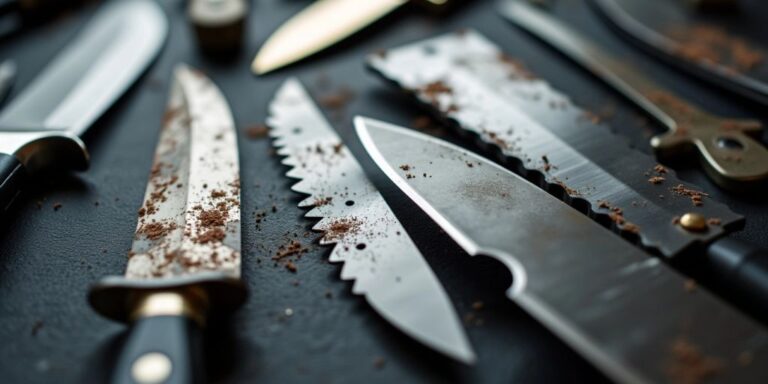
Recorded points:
(743, 269)
(12, 177)
(164, 342)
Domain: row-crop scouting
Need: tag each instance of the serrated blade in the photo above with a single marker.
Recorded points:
(189, 222)
(473, 84)
(628, 314)
(377, 253)
(92, 72)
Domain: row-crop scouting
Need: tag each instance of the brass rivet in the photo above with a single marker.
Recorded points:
(151, 368)
(693, 222)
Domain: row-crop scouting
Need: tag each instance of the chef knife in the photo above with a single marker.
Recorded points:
(474, 86)
(727, 148)
(628, 314)
(39, 128)
(751, 83)
(377, 252)
(319, 26)
(184, 264)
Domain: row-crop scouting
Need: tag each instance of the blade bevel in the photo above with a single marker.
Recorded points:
(92, 72)
(190, 220)
(472, 84)
(317, 27)
(622, 310)
(390, 271)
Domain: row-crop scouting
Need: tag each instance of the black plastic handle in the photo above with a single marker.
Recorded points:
(161, 349)
(743, 269)
(12, 178)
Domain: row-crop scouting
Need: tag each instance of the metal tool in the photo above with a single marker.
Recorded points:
(476, 87)
(748, 84)
(184, 264)
(629, 315)
(376, 250)
(219, 24)
(39, 128)
(727, 148)
(319, 26)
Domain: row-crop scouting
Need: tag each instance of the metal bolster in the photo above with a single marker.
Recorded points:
(45, 150)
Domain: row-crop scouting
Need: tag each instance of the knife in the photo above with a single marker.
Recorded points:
(184, 264)
(727, 148)
(39, 128)
(628, 314)
(377, 252)
(746, 84)
(319, 26)
(474, 86)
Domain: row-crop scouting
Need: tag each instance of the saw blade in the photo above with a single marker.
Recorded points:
(471, 83)
(377, 253)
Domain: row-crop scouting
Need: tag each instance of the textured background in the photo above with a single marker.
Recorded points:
(49, 257)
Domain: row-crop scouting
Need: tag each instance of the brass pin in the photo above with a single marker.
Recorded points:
(694, 222)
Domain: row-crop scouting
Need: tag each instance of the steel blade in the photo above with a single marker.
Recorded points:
(92, 72)
(189, 222)
(627, 313)
(389, 271)
(476, 87)
(317, 27)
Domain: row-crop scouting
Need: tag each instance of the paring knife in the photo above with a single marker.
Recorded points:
(377, 252)
(39, 128)
(184, 264)
(319, 26)
(474, 86)
(746, 84)
(629, 315)
(728, 150)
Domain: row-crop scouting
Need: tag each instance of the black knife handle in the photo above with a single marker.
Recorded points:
(12, 177)
(161, 349)
(743, 269)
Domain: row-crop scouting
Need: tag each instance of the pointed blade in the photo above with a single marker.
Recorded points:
(189, 222)
(317, 27)
(92, 72)
(377, 253)
(624, 311)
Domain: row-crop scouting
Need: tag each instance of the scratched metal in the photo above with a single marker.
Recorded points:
(189, 222)
(471, 83)
(377, 253)
(626, 313)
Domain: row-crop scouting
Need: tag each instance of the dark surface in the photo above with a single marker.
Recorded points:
(48, 257)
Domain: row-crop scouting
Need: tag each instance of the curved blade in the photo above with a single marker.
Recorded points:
(190, 219)
(621, 309)
(390, 271)
(317, 27)
(92, 72)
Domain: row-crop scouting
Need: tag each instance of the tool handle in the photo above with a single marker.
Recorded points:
(13, 175)
(161, 349)
(743, 268)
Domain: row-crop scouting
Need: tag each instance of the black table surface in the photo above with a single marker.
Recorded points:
(49, 257)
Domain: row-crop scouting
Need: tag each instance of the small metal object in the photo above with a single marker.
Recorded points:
(219, 24)
(152, 368)
(694, 222)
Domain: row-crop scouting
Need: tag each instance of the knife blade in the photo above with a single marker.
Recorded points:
(184, 263)
(748, 84)
(628, 314)
(375, 249)
(39, 128)
(727, 148)
(318, 27)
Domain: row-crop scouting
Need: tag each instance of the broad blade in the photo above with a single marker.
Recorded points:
(629, 314)
(317, 27)
(92, 72)
(390, 271)
(190, 220)
(474, 85)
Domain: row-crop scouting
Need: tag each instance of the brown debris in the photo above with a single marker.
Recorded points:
(697, 197)
(517, 66)
(433, 89)
(656, 180)
(337, 99)
(155, 230)
(688, 365)
(714, 45)
(321, 201)
(341, 227)
(293, 248)
(212, 218)
(211, 235)
(257, 131)
(714, 221)
(57, 206)
(405, 167)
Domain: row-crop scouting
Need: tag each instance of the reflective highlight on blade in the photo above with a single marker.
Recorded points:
(376, 251)
(190, 220)
(317, 27)
(621, 309)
